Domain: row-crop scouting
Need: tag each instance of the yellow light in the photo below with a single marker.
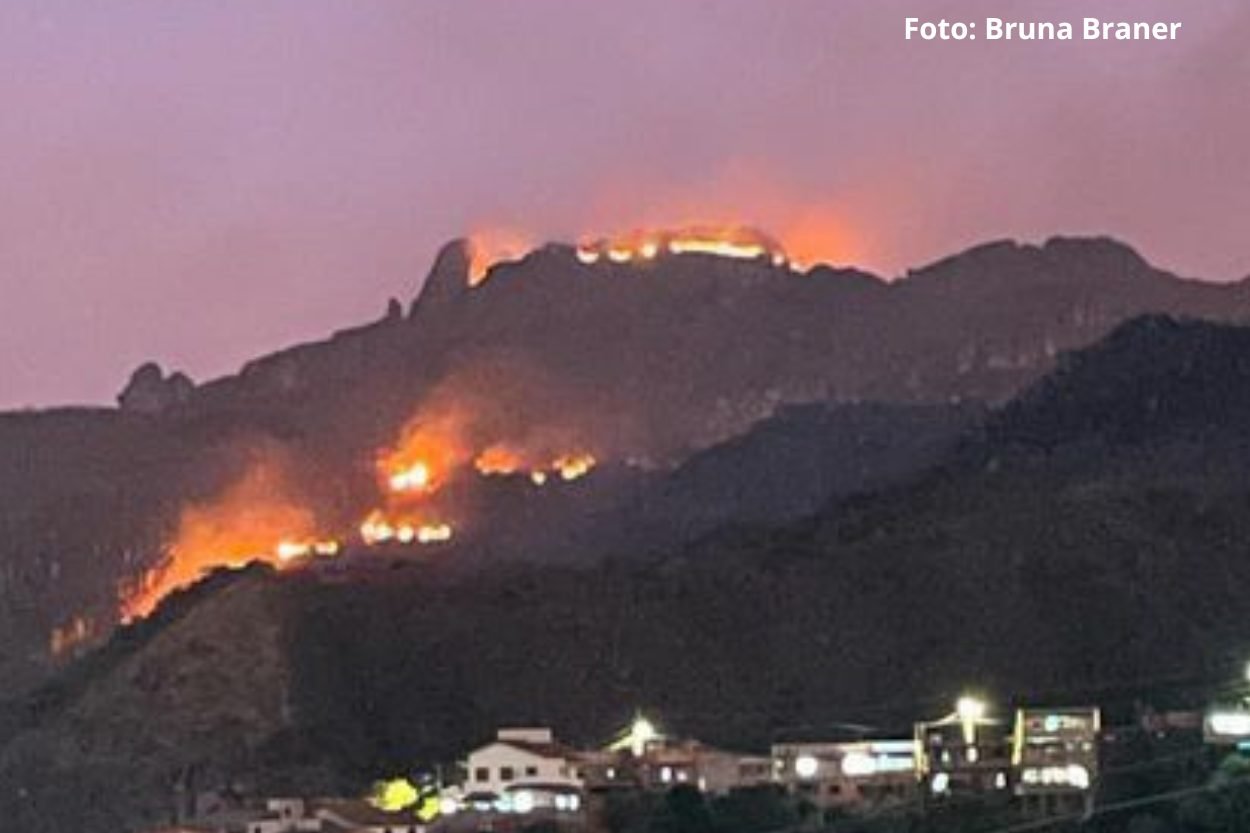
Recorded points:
(326, 548)
(394, 795)
(573, 466)
(970, 711)
(291, 550)
(641, 733)
(433, 533)
(970, 708)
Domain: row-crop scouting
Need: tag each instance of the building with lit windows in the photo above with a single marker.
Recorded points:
(967, 753)
(1055, 756)
(848, 775)
(530, 757)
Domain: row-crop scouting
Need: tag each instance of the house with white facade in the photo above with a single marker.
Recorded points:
(518, 757)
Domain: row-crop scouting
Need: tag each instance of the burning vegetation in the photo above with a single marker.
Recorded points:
(255, 519)
(489, 248)
(68, 638)
(500, 460)
(738, 242)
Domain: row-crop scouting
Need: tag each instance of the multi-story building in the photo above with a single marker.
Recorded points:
(530, 757)
(850, 774)
(964, 754)
(1055, 757)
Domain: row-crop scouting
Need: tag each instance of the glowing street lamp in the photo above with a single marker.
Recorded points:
(637, 737)
(970, 711)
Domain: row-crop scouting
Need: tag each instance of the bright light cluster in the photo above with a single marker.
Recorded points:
(1072, 775)
(377, 529)
(414, 478)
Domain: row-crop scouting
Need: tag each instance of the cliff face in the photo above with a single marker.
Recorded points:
(642, 362)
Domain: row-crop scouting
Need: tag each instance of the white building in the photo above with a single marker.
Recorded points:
(530, 757)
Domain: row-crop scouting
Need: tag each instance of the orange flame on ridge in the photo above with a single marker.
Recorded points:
(253, 520)
(489, 247)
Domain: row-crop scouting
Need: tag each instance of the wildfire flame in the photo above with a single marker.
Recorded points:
(415, 478)
(69, 636)
(288, 551)
(573, 466)
(490, 247)
(500, 459)
(430, 449)
(253, 520)
(737, 242)
(378, 529)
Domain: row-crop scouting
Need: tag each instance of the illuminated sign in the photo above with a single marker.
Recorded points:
(1227, 726)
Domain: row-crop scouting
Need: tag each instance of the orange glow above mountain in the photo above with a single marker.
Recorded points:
(490, 247)
(253, 520)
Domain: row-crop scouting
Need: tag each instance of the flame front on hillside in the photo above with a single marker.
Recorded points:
(253, 520)
(490, 248)
(500, 459)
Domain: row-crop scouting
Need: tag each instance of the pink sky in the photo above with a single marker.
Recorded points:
(200, 182)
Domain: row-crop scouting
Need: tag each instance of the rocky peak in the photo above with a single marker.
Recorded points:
(449, 276)
(150, 391)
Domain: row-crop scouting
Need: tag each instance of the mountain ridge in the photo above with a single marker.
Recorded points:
(1110, 564)
(635, 363)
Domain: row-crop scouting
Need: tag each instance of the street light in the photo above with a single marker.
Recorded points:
(970, 711)
(641, 733)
